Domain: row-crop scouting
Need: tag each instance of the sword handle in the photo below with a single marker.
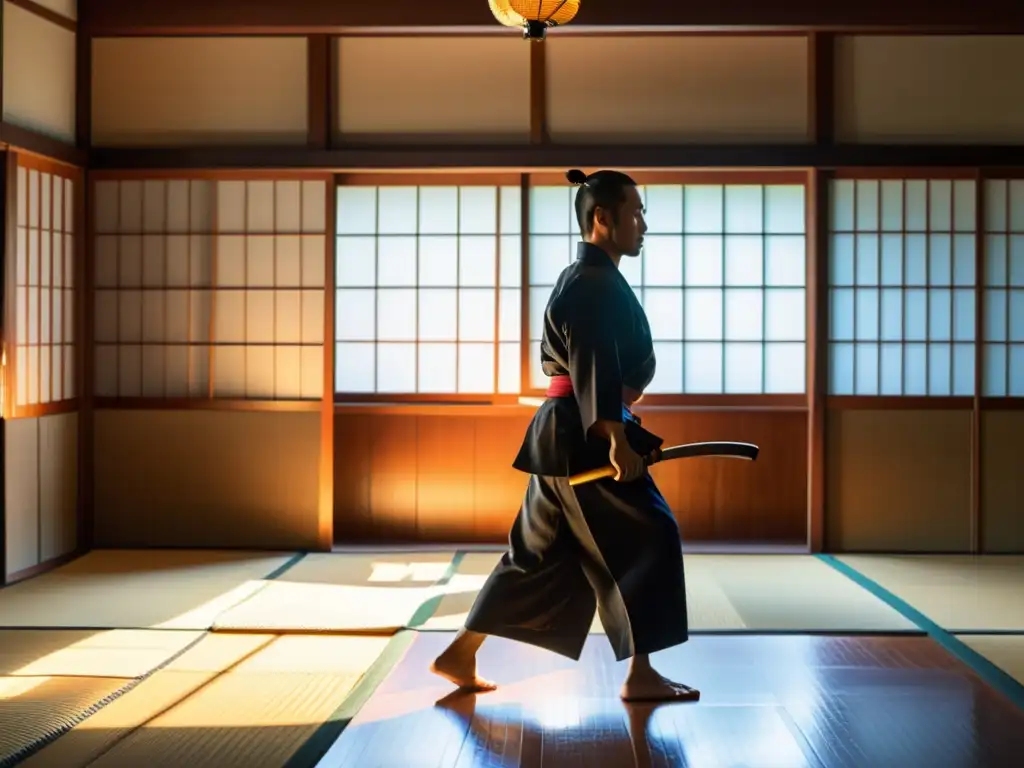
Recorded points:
(609, 471)
(593, 474)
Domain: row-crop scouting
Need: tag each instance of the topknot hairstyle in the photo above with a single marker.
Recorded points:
(603, 189)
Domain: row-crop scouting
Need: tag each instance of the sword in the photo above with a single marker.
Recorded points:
(719, 450)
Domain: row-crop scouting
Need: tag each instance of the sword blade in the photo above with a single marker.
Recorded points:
(721, 450)
(717, 449)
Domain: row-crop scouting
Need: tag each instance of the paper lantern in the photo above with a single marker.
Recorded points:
(534, 16)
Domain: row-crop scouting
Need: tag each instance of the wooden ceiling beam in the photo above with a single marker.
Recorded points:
(131, 17)
(560, 157)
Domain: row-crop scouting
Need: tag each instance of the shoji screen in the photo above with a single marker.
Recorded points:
(209, 288)
(722, 279)
(902, 287)
(44, 305)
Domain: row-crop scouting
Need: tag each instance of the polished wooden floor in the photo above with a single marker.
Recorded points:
(778, 701)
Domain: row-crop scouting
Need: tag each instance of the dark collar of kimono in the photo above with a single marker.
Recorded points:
(593, 256)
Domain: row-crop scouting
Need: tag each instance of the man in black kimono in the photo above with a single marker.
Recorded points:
(613, 543)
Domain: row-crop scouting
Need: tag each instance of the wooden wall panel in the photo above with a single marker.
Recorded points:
(41, 456)
(38, 74)
(449, 478)
(1002, 492)
(664, 89)
(206, 479)
(735, 501)
(188, 91)
(951, 89)
(441, 88)
(898, 481)
(420, 477)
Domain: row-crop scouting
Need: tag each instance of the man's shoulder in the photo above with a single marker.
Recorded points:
(582, 294)
(580, 282)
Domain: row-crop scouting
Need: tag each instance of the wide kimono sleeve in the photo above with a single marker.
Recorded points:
(594, 365)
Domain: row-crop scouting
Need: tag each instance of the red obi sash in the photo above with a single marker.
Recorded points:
(561, 386)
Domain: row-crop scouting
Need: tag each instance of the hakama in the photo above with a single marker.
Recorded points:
(607, 544)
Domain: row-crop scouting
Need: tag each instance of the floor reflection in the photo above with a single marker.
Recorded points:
(767, 702)
(556, 725)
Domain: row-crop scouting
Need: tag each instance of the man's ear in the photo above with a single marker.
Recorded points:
(603, 217)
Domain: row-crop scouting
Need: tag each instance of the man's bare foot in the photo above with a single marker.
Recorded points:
(461, 672)
(650, 686)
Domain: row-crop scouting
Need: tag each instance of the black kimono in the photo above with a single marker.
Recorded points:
(611, 544)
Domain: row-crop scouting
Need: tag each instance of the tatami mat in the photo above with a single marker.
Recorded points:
(152, 697)
(959, 593)
(344, 593)
(461, 590)
(728, 593)
(88, 653)
(797, 592)
(153, 588)
(258, 713)
(51, 679)
(36, 708)
(1005, 651)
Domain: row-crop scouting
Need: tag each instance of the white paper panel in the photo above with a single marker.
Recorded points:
(440, 87)
(944, 89)
(229, 371)
(678, 88)
(312, 372)
(199, 90)
(38, 73)
(288, 372)
(142, 279)
(259, 372)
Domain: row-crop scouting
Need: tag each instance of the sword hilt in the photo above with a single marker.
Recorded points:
(609, 470)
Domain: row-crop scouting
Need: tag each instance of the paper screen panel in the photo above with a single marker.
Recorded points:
(671, 89)
(44, 305)
(199, 90)
(1003, 313)
(722, 279)
(203, 276)
(441, 88)
(38, 74)
(419, 277)
(934, 89)
(901, 296)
